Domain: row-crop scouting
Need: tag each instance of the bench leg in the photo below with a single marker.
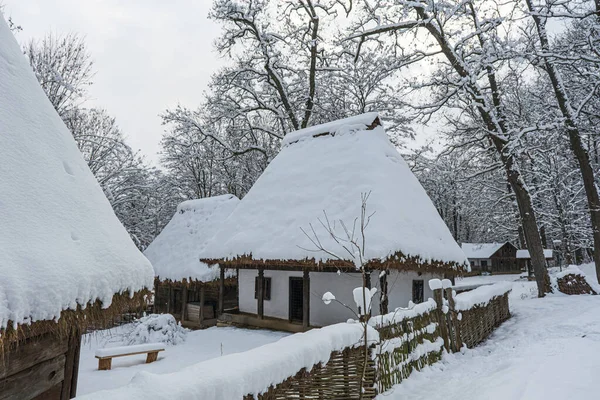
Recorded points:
(151, 357)
(104, 364)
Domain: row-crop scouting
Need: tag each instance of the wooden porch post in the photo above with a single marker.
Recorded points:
(222, 290)
(383, 283)
(305, 298)
(170, 301)
(201, 306)
(260, 293)
(69, 386)
(184, 295)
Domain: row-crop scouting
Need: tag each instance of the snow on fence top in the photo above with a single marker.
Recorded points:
(401, 314)
(328, 173)
(174, 253)
(61, 244)
(481, 250)
(525, 253)
(252, 372)
(480, 296)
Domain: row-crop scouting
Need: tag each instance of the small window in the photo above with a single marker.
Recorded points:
(266, 288)
(472, 263)
(484, 263)
(418, 295)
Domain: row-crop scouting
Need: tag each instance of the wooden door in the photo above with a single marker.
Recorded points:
(296, 297)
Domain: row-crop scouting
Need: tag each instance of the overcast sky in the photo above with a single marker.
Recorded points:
(149, 54)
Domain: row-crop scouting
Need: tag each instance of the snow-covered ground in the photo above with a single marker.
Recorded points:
(487, 279)
(199, 346)
(548, 350)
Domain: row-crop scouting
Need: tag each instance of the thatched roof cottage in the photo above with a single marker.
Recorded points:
(66, 262)
(320, 175)
(185, 286)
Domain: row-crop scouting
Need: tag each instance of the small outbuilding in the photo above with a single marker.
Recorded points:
(524, 259)
(494, 258)
(185, 286)
(280, 235)
(66, 262)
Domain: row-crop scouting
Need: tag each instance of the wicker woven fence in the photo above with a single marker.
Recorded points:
(409, 339)
(412, 339)
(476, 324)
(340, 379)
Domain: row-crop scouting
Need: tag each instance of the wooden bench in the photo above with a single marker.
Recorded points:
(105, 356)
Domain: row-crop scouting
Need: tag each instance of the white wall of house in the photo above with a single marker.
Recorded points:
(341, 285)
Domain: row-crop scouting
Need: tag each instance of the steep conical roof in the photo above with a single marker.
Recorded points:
(61, 245)
(175, 253)
(323, 170)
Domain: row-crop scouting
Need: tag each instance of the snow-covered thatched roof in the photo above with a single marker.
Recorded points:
(175, 253)
(481, 250)
(325, 169)
(524, 254)
(61, 245)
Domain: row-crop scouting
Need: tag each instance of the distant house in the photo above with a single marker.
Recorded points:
(524, 259)
(318, 176)
(185, 286)
(66, 262)
(492, 257)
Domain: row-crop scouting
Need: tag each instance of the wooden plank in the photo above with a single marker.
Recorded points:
(31, 352)
(33, 381)
(305, 298)
(128, 354)
(51, 394)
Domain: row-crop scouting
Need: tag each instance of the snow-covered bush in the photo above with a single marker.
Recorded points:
(156, 328)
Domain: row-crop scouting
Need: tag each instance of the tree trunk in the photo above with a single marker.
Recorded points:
(580, 153)
(495, 124)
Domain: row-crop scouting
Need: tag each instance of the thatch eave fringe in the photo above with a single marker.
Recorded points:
(192, 283)
(397, 261)
(92, 316)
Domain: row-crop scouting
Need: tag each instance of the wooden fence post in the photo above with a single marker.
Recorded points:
(438, 296)
(457, 341)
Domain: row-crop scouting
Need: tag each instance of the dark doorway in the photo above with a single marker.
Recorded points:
(418, 295)
(296, 308)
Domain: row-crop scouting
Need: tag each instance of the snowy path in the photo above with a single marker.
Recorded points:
(199, 346)
(549, 349)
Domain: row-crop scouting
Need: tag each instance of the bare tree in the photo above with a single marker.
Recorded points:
(540, 13)
(467, 80)
(352, 242)
(63, 66)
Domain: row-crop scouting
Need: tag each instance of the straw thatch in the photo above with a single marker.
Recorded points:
(93, 316)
